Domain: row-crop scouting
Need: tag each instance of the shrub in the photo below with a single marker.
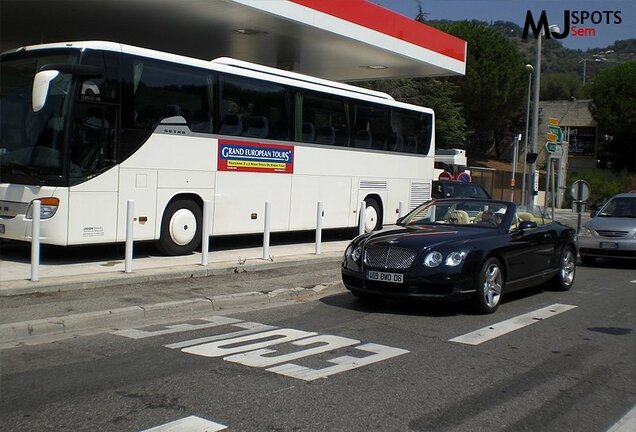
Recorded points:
(603, 185)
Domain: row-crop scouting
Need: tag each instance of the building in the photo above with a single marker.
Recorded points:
(580, 131)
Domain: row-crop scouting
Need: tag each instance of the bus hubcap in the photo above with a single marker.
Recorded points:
(370, 218)
(183, 227)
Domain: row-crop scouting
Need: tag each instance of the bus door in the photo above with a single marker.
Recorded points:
(92, 158)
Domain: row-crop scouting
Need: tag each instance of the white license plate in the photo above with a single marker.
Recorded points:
(1, 228)
(385, 277)
(609, 245)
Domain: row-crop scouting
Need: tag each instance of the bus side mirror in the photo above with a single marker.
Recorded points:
(41, 84)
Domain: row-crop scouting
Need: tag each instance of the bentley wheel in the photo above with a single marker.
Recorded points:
(489, 287)
(567, 269)
(180, 228)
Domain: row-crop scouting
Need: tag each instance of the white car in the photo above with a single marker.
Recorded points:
(611, 233)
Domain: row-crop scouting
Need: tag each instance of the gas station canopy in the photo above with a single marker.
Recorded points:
(333, 39)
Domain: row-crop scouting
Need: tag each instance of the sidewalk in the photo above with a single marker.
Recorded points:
(60, 306)
(72, 273)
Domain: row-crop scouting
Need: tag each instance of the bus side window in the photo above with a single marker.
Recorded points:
(370, 125)
(263, 107)
(162, 90)
(327, 117)
(412, 130)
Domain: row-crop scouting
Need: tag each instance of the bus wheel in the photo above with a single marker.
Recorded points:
(372, 220)
(180, 228)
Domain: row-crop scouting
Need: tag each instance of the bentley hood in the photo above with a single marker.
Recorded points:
(424, 236)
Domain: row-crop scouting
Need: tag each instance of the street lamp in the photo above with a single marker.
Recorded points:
(535, 114)
(596, 58)
(529, 68)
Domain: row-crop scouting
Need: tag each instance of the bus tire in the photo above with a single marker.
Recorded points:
(372, 215)
(181, 228)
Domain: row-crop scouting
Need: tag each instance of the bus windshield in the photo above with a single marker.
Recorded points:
(32, 143)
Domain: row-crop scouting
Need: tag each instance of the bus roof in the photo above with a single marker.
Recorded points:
(299, 77)
(237, 67)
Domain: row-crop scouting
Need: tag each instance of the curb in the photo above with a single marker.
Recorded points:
(21, 333)
(113, 279)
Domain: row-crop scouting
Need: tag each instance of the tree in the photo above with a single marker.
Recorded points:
(493, 88)
(561, 86)
(614, 108)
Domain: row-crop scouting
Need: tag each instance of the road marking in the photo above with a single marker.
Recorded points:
(256, 358)
(188, 424)
(634, 281)
(254, 345)
(176, 328)
(227, 347)
(627, 423)
(250, 327)
(342, 364)
(494, 331)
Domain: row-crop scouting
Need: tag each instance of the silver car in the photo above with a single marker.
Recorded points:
(611, 233)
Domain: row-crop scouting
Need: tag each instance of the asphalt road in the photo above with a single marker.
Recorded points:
(386, 366)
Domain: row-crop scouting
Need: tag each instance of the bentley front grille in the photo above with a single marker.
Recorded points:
(388, 257)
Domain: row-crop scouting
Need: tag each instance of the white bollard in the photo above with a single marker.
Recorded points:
(268, 213)
(361, 220)
(130, 212)
(35, 241)
(318, 227)
(401, 209)
(205, 240)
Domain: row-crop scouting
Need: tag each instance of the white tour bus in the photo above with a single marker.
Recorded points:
(86, 126)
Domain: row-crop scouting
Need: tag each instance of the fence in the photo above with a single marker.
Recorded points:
(497, 183)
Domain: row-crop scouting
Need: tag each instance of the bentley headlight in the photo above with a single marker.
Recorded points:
(356, 253)
(455, 258)
(433, 259)
(585, 232)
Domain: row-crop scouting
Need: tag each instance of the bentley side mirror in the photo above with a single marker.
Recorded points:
(526, 225)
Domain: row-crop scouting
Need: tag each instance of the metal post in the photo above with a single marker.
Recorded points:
(579, 200)
(35, 241)
(535, 121)
(266, 230)
(363, 210)
(514, 167)
(401, 209)
(130, 211)
(319, 215)
(554, 185)
(205, 240)
(524, 198)
(547, 183)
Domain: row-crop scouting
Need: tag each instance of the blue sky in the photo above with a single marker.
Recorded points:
(515, 11)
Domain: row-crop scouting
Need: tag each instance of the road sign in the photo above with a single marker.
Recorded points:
(551, 147)
(445, 176)
(558, 151)
(464, 177)
(580, 190)
(555, 134)
(553, 121)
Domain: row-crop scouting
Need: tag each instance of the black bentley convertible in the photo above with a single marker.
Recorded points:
(461, 249)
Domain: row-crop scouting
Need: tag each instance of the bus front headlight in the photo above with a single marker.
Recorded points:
(48, 207)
